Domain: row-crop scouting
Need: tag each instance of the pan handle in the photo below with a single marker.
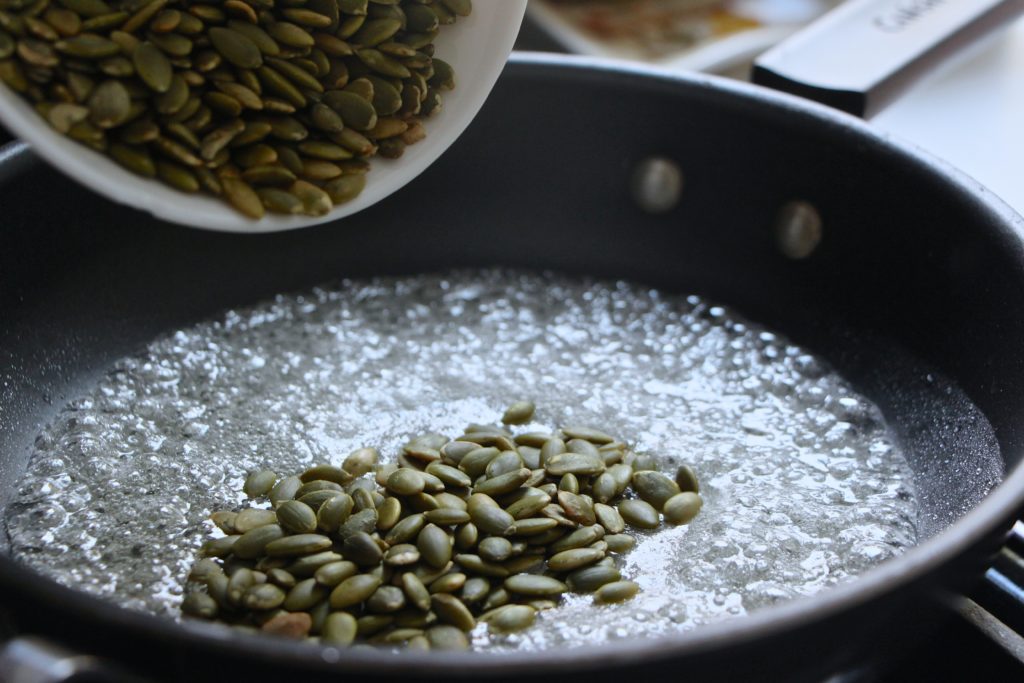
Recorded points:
(864, 53)
(1001, 592)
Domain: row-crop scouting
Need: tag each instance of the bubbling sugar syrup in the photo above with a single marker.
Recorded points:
(803, 485)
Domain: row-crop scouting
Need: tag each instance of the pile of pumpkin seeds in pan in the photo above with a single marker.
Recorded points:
(488, 527)
(273, 105)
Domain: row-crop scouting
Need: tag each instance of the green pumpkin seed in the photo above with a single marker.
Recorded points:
(451, 610)
(219, 547)
(300, 544)
(592, 578)
(682, 507)
(308, 565)
(177, 176)
(333, 573)
(372, 624)
(304, 595)
(491, 520)
(339, 629)
(453, 452)
(360, 461)
(385, 600)
(534, 585)
(135, 159)
(362, 549)
(447, 516)
(251, 518)
(495, 549)
(609, 518)
(415, 591)
(256, 35)
(574, 463)
(578, 539)
(354, 590)
(475, 590)
(507, 461)
(533, 526)
(654, 487)
(477, 565)
(449, 583)
(405, 530)
(620, 543)
(466, 536)
(88, 46)
(587, 434)
(434, 545)
(639, 513)
(281, 578)
(504, 483)
(579, 509)
(686, 480)
(263, 596)
(617, 591)
(355, 111)
(199, 605)
(511, 618)
(285, 489)
(577, 558)
(447, 638)
(241, 196)
(252, 543)
(296, 517)
(287, 33)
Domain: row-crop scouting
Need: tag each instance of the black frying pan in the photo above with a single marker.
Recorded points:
(915, 261)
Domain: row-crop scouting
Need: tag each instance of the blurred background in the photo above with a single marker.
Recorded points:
(967, 112)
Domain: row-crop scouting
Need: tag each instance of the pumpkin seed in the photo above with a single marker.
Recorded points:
(354, 590)
(386, 599)
(574, 463)
(495, 549)
(333, 573)
(406, 530)
(339, 629)
(617, 591)
(308, 565)
(477, 565)
(534, 585)
(299, 544)
(263, 596)
(686, 480)
(639, 513)
(296, 517)
(447, 638)
(682, 507)
(360, 461)
(452, 611)
(251, 518)
(199, 605)
(568, 560)
(654, 487)
(609, 518)
(415, 591)
(434, 545)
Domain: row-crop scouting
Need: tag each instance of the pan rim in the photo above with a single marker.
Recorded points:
(1000, 505)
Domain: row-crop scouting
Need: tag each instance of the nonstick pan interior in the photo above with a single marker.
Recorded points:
(916, 279)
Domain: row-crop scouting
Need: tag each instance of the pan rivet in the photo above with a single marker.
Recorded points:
(657, 185)
(798, 229)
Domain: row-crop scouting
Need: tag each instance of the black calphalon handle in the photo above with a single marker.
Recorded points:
(862, 55)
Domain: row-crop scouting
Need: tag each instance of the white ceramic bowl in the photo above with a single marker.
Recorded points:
(476, 47)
